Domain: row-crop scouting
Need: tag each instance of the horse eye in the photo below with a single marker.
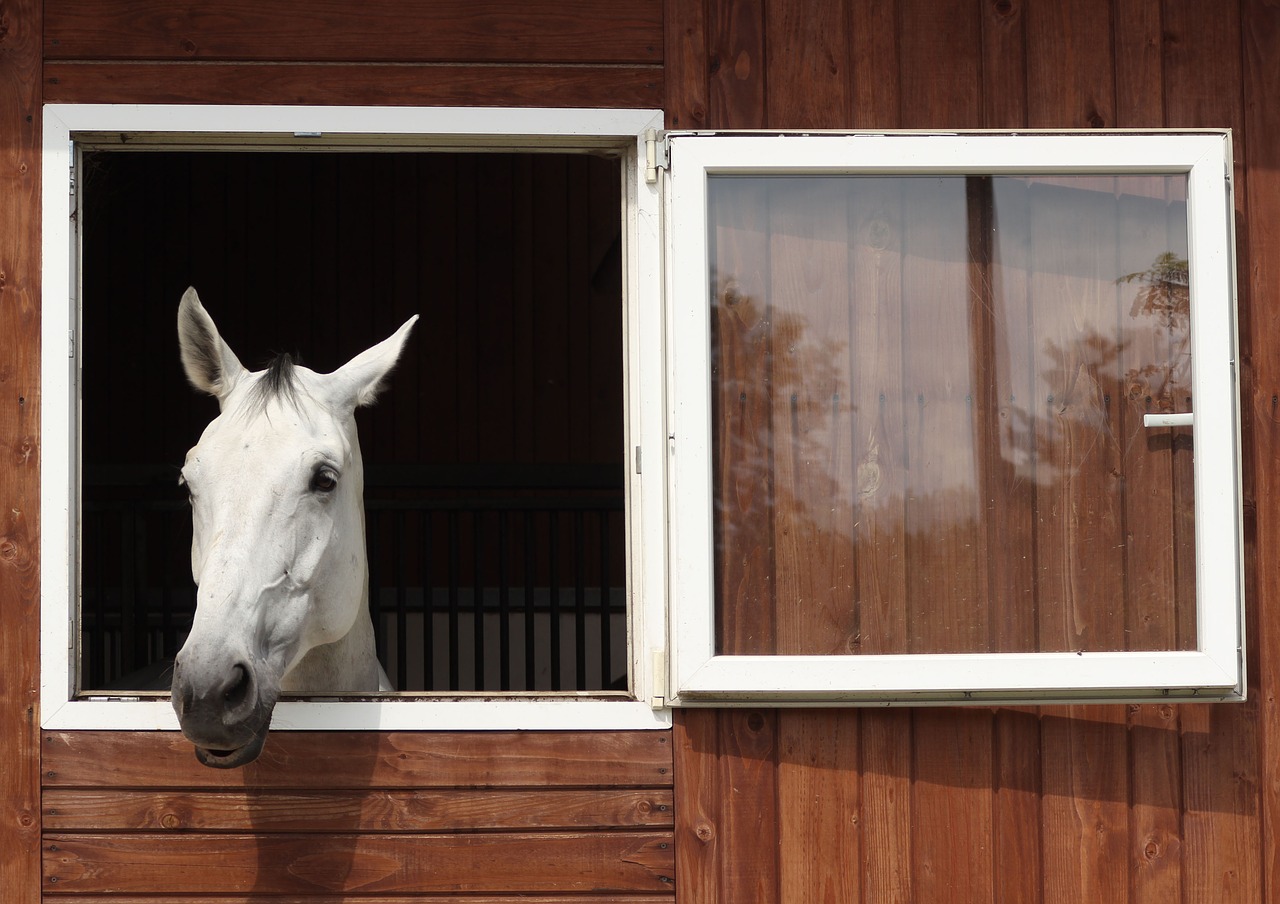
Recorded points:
(324, 481)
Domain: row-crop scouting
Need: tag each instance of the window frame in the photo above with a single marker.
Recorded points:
(69, 127)
(1215, 670)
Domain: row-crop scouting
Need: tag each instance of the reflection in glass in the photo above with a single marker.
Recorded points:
(928, 402)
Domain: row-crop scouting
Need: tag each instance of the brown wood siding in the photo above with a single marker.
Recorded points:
(20, 27)
(1128, 804)
(1071, 804)
(499, 813)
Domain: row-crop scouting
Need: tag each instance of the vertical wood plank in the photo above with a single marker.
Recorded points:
(699, 830)
(1004, 64)
(819, 853)
(737, 63)
(874, 65)
(749, 815)
(1086, 794)
(887, 813)
(807, 82)
(951, 806)
(1220, 801)
(940, 53)
(1224, 859)
(20, 440)
(685, 64)
(1259, 318)
(1069, 64)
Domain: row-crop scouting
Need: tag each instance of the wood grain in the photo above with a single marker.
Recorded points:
(368, 864)
(341, 83)
(20, 443)
(116, 810)
(378, 30)
(330, 760)
(1260, 400)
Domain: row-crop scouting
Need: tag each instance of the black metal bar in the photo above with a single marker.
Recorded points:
(477, 601)
(530, 576)
(553, 585)
(504, 604)
(402, 604)
(454, 611)
(580, 599)
(606, 611)
(428, 603)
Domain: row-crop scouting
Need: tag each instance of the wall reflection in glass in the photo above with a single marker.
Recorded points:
(928, 397)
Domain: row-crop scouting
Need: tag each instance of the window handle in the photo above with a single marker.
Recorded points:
(1180, 419)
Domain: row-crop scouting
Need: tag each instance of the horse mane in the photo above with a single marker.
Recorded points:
(279, 382)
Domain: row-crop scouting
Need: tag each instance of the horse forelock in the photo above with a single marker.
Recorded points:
(279, 382)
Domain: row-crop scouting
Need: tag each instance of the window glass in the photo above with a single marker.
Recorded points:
(928, 401)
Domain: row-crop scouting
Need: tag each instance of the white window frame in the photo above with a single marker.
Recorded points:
(69, 126)
(1215, 670)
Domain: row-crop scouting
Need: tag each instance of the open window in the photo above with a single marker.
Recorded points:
(886, 418)
(956, 418)
(505, 523)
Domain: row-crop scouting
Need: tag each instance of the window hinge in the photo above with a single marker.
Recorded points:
(658, 699)
(656, 155)
(71, 343)
(637, 459)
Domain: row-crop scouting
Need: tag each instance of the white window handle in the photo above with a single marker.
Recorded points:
(1181, 419)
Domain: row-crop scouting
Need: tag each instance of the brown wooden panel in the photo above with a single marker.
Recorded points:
(376, 899)
(1016, 779)
(321, 760)
(685, 58)
(1156, 838)
(874, 66)
(376, 30)
(736, 64)
(1086, 790)
(1220, 771)
(444, 85)
(374, 811)
(1260, 398)
(806, 75)
(819, 841)
(370, 864)
(699, 847)
(887, 813)
(952, 853)
(1069, 64)
(1004, 64)
(749, 811)
(20, 26)
(940, 71)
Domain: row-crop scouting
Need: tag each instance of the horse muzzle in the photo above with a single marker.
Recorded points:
(224, 710)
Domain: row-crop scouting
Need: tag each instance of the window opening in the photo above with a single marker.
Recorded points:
(494, 461)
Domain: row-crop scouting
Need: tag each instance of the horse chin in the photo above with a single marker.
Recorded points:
(230, 759)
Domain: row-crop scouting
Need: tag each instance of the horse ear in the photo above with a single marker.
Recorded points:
(357, 382)
(210, 363)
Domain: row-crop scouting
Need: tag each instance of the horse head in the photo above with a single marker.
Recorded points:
(278, 549)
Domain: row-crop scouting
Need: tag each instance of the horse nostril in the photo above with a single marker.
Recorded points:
(237, 689)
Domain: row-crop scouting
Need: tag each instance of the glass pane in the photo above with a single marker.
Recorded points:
(928, 427)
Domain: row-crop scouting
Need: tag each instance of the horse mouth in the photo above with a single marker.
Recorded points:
(230, 758)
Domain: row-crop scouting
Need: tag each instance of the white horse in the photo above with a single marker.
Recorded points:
(278, 547)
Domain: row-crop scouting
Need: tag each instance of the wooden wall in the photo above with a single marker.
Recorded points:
(1081, 804)
(1067, 804)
